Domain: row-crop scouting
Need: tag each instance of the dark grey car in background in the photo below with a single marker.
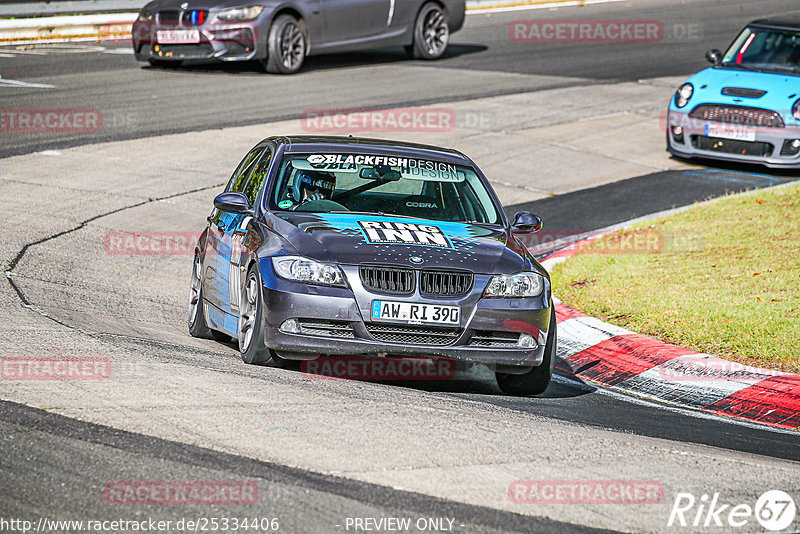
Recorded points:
(280, 34)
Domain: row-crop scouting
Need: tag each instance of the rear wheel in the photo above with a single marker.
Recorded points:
(286, 45)
(251, 321)
(431, 33)
(197, 320)
(535, 381)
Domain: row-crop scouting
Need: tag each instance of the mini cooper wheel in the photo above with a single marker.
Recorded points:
(535, 381)
(431, 33)
(197, 319)
(286, 45)
(251, 321)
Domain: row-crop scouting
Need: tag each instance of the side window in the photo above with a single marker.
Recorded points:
(258, 177)
(239, 178)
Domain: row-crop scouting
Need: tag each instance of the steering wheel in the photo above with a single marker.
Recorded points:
(321, 205)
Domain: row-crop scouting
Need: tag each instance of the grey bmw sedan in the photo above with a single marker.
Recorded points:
(325, 247)
(282, 33)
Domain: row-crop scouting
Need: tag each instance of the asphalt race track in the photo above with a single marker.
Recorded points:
(142, 101)
(568, 131)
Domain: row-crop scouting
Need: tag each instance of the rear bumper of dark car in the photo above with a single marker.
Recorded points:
(331, 323)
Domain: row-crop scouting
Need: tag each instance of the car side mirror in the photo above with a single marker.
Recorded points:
(714, 56)
(233, 203)
(526, 222)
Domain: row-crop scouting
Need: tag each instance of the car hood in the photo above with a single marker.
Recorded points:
(356, 239)
(201, 4)
(781, 89)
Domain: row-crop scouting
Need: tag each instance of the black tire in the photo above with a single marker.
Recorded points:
(431, 33)
(220, 336)
(251, 320)
(535, 381)
(163, 64)
(285, 363)
(197, 319)
(287, 45)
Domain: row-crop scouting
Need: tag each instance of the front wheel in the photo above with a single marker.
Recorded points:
(286, 45)
(535, 381)
(164, 64)
(251, 321)
(431, 33)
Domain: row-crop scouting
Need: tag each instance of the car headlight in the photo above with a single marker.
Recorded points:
(796, 110)
(240, 13)
(145, 14)
(308, 271)
(683, 94)
(514, 285)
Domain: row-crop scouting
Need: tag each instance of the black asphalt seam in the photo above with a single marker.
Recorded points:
(13, 264)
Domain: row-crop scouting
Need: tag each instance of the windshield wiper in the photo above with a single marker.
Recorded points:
(785, 68)
(379, 213)
(739, 66)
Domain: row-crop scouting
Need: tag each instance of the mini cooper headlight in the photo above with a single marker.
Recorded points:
(308, 271)
(683, 94)
(514, 285)
(240, 13)
(796, 110)
(145, 14)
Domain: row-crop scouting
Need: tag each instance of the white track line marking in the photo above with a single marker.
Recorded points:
(17, 83)
(549, 5)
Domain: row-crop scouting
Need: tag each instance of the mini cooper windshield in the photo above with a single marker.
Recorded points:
(765, 49)
(381, 184)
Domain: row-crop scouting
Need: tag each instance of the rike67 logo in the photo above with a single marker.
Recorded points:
(774, 510)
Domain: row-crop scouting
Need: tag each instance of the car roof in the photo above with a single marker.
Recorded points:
(789, 21)
(362, 145)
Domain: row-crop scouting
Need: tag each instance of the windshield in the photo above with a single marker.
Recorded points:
(765, 49)
(380, 184)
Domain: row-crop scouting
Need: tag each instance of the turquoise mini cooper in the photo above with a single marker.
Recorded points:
(746, 107)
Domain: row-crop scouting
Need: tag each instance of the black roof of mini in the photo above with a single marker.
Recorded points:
(789, 21)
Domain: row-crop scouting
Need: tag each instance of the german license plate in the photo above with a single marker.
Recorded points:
(414, 313)
(730, 132)
(178, 36)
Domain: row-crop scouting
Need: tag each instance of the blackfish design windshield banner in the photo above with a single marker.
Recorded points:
(378, 232)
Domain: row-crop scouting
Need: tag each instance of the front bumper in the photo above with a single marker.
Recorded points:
(218, 42)
(771, 147)
(332, 323)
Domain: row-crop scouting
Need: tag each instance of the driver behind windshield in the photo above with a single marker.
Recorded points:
(310, 186)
